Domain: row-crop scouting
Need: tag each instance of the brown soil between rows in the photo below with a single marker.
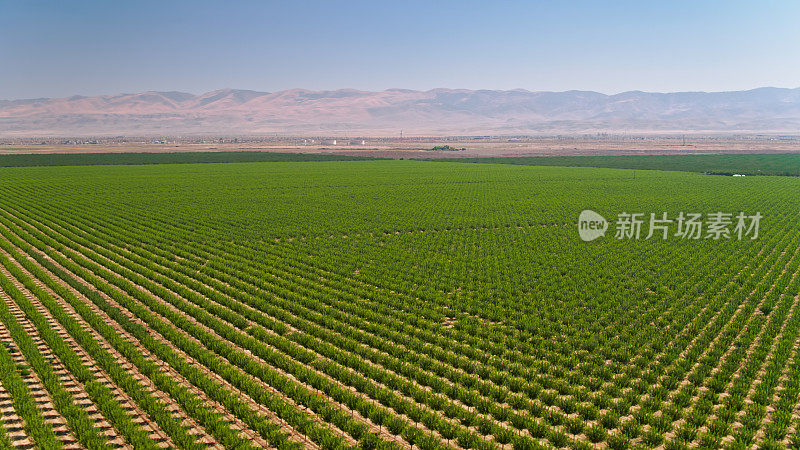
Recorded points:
(374, 428)
(68, 381)
(12, 423)
(481, 415)
(171, 405)
(138, 416)
(237, 423)
(37, 390)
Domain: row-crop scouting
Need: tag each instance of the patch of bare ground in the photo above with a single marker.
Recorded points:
(419, 147)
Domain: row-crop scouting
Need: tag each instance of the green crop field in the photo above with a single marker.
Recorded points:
(94, 159)
(392, 304)
(778, 164)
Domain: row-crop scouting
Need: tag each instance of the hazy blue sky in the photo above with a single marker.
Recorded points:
(60, 48)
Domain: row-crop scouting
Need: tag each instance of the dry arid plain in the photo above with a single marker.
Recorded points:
(420, 147)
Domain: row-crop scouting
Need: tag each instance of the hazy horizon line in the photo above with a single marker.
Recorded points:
(196, 94)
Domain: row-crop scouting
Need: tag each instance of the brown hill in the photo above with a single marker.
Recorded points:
(437, 111)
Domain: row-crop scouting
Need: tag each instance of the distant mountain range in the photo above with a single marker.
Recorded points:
(433, 112)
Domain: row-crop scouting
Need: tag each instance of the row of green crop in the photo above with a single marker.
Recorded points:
(97, 391)
(744, 328)
(489, 345)
(210, 419)
(206, 357)
(162, 295)
(34, 424)
(154, 407)
(76, 416)
(262, 372)
(91, 159)
(752, 164)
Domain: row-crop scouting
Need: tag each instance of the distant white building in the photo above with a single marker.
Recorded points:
(738, 175)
